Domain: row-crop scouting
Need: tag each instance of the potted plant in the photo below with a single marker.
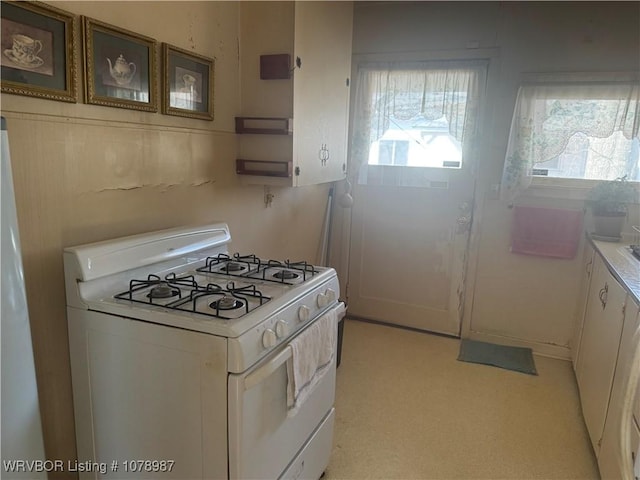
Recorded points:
(608, 201)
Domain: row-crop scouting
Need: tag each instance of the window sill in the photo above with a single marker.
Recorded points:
(569, 188)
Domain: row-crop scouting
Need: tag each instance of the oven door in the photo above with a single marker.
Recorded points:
(263, 440)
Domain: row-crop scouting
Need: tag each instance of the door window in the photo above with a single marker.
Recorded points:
(412, 118)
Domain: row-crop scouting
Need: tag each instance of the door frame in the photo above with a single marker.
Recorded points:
(341, 256)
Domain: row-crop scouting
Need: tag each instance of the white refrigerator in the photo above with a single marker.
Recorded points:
(19, 407)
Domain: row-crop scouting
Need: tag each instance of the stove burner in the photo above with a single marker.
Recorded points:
(163, 290)
(285, 275)
(233, 267)
(226, 303)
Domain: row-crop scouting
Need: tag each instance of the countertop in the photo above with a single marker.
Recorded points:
(622, 264)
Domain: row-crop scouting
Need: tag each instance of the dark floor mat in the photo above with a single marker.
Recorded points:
(518, 359)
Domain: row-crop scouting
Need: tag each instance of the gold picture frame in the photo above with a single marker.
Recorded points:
(38, 51)
(187, 83)
(120, 67)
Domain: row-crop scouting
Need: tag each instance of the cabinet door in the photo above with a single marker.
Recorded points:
(599, 348)
(321, 90)
(619, 415)
(581, 306)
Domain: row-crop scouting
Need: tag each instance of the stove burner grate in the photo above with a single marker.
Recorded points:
(160, 288)
(288, 272)
(185, 294)
(237, 265)
(253, 267)
(233, 298)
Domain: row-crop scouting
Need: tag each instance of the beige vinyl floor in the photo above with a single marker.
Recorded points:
(407, 409)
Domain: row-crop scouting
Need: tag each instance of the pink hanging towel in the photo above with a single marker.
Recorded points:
(546, 232)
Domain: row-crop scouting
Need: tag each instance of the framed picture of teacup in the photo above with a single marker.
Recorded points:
(37, 54)
(120, 67)
(187, 83)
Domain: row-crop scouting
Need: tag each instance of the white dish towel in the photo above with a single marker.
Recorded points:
(312, 353)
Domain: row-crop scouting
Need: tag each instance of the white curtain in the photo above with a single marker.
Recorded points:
(547, 116)
(406, 90)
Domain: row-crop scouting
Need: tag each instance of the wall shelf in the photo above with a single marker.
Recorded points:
(266, 168)
(264, 125)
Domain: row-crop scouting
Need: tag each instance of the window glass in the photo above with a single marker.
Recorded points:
(415, 121)
(417, 142)
(585, 130)
(591, 155)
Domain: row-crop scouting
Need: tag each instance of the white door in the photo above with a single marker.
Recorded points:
(415, 134)
(408, 253)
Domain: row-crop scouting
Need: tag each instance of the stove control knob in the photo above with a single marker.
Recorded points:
(304, 313)
(323, 300)
(282, 328)
(331, 295)
(269, 338)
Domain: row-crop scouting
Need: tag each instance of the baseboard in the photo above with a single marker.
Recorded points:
(395, 325)
(543, 349)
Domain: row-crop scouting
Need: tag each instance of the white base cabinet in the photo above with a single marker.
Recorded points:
(601, 332)
(606, 357)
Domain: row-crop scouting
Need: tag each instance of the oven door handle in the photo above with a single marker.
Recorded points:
(254, 378)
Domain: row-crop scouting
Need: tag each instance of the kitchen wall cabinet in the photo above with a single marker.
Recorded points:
(618, 419)
(317, 35)
(599, 344)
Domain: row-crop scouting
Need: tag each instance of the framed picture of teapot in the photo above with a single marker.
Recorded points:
(37, 57)
(120, 67)
(187, 83)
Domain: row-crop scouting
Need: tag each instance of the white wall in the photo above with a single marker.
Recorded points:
(511, 298)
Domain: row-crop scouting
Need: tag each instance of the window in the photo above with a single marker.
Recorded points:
(417, 143)
(583, 131)
(591, 148)
(414, 115)
(390, 152)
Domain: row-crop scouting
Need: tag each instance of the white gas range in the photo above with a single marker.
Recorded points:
(180, 352)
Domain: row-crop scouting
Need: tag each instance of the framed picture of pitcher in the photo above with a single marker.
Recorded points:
(119, 67)
(187, 83)
(37, 57)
